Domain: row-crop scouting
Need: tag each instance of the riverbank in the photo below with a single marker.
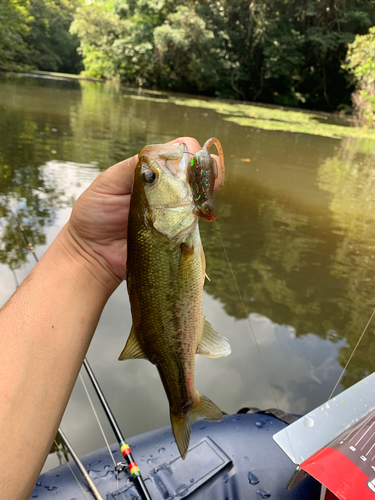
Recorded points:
(53, 75)
(247, 114)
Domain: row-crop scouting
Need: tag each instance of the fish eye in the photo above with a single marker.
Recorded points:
(149, 176)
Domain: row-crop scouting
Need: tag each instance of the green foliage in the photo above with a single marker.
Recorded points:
(51, 46)
(14, 18)
(360, 61)
(35, 34)
(97, 29)
(113, 46)
(285, 52)
(185, 56)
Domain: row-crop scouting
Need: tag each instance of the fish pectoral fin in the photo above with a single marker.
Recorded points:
(186, 250)
(212, 344)
(132, 349)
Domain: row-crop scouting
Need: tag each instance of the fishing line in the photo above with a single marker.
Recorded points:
(352, 354)
(257, 345)
(71, 470)
(252, 331)
(97, 418)
(247, 317)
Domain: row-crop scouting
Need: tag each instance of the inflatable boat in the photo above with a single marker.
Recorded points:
(233, 459)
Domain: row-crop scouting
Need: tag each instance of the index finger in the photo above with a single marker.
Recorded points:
(191, 143)
(118, 179)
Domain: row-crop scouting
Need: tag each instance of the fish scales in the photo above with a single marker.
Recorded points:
(167, 310)
(165, 277)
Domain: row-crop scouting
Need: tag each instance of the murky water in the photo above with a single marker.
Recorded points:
(298, 222)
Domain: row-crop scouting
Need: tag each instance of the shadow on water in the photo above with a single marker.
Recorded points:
(297, 215)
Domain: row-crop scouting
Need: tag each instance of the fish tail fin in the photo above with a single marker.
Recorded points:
(181, 431)
(203, 408)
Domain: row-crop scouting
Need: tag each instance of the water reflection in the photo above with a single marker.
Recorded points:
(349, 177)
(290, 268)
(27, 189)
(297, 221)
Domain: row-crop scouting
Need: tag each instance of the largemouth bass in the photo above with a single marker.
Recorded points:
(165, 277)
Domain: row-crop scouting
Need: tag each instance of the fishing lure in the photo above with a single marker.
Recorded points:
(202, 172)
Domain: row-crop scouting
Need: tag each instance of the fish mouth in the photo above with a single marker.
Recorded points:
(172, 158)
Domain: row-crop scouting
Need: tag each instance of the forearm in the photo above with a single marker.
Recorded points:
(45, 330)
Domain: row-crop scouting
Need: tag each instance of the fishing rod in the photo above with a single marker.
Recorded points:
(129, 463)
(80, 466)
(125, 448)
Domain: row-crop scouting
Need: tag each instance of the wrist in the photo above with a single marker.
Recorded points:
(85, 260)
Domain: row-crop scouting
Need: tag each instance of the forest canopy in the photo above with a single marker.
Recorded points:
(34, 34)
(288, 52)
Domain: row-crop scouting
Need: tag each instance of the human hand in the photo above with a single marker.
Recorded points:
(97, 229)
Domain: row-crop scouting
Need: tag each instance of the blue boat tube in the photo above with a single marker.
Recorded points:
(233, 459)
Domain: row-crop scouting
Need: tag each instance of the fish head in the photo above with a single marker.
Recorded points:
(163, 191)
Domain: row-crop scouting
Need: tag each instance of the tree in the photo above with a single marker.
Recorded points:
(278, 51)
(360, 61)
(116, 40)
(34, 34)
(185, 54)
(14, 19)
(51, 46)
(287, 52)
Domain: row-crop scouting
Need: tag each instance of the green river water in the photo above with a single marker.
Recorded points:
(297, 216)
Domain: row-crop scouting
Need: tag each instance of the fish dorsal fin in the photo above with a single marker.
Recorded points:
(212, 344)
(132, 349)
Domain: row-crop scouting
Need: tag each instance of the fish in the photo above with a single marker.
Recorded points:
(165, 277)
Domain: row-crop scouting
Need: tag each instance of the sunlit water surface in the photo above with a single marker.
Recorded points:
(296, 214)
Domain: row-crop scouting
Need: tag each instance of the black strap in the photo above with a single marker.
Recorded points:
(288, 418)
